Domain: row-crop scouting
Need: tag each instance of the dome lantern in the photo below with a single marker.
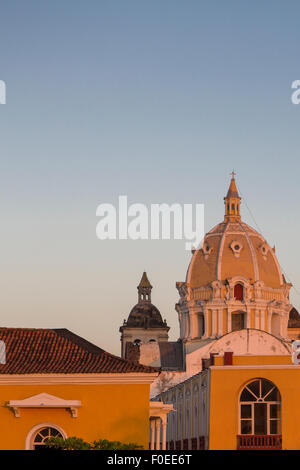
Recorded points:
(232, 202)
(144, 289)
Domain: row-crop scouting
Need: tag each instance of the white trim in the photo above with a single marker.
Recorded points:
(253, 254)
(258, 366)
(220, 252)
(45, 400)
(252, 403)
(33, 431)
(85, 379)
(158, 408)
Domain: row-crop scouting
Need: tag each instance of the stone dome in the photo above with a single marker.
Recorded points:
(145, 315)
(233, 248)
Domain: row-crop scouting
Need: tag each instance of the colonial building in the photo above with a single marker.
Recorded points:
(55, 383)
(234, 297)
(244, 402)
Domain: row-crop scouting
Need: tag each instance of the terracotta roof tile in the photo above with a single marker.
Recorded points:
(59, 351)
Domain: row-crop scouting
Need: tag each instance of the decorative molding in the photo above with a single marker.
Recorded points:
(257, 366)
(207, 250)
(44, 400)
(236, 247)
(81, 379)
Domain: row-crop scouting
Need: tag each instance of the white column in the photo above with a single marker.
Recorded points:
(152, 427)
(157, 425)
(205, 318)
(220, 322)
(248, 320)
(193, 324)
(269, 321)
(256, 319)
(229, 320)
(214, 322)
(164, 432)
(281, 325)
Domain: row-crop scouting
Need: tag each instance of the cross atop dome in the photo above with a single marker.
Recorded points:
(232, 201)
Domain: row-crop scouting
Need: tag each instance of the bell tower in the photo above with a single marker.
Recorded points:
(144, 323)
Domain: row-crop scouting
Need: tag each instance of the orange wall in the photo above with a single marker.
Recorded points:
(114, 412)
(259, 360)
(226, 385)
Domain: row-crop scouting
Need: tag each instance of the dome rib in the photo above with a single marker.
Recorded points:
(254, 258)
(220, 253)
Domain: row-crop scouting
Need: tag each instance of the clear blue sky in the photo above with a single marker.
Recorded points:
(158, 100)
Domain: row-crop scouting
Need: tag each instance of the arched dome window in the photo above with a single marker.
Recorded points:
(260, 408)
(239, 292)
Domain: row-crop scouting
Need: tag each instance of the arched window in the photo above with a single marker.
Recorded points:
(42, 436)
(137, 341)
(260, 408)
(239, 292)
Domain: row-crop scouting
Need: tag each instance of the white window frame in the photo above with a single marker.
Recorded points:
(259, 399)
(33, 431)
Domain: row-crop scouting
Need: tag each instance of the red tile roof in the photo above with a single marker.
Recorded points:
(58, 351)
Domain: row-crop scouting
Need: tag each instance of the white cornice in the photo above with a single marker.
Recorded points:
(257, 366)
(80, 379)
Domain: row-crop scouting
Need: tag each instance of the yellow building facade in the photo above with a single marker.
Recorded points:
(237, 403)
(54, 383)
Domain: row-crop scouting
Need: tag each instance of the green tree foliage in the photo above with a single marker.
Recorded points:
(76, 443)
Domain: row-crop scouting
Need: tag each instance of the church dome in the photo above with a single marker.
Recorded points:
(233, 248)
(145, 315)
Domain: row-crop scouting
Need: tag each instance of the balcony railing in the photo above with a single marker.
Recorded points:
(259, 442)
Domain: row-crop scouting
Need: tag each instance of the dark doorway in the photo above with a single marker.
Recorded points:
(237, 321)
